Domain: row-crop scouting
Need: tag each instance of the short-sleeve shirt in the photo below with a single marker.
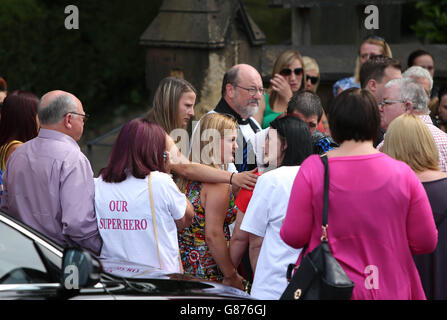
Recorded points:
(125, 220)
(264, 216)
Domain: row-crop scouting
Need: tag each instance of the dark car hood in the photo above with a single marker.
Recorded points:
(122, 278)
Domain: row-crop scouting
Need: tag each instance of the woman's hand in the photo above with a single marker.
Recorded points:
(281, 86)
(235, 280)
(246, 180)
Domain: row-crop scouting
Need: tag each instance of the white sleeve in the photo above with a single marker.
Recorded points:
(258, 143)
(256, 217)
(176, 201)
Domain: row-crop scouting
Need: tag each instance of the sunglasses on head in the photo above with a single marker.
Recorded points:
(287, 72)
(313, 80)
(374, 37)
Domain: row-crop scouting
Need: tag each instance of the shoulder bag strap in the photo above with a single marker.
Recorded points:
(324, 226)
(441, 219)
(154, 222)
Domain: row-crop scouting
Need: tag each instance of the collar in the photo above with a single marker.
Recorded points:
(224, 107)
(426, 118)
(56, 135)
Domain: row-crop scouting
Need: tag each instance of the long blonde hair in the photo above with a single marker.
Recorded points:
(166, 102)
(285, 59)
(408, 139)
(386, 51)
(311, 64)
(204, 142)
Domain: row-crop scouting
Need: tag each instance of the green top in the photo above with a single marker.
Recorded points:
(269, 114)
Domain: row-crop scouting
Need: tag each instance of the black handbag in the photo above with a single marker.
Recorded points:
(319, 276)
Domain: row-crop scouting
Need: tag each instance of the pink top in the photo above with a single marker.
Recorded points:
(379, 215)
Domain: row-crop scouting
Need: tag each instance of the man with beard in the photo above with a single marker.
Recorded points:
(242, 89)
(241, 92)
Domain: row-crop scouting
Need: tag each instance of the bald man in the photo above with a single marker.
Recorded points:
(241, 92)
(48, 182)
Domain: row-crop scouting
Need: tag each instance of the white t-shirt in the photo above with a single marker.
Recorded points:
(124, 216)
(264, 217)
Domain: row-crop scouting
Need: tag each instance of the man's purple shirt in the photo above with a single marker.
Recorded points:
(48, 184)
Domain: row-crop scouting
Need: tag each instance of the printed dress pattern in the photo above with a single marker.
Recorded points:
(196, 257)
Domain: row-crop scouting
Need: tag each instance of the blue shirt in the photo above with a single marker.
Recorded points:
(344, 84)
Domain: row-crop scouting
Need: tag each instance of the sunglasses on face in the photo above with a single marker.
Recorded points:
(287, 72)
(313, 80)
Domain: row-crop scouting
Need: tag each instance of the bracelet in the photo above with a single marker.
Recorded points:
(231, 178)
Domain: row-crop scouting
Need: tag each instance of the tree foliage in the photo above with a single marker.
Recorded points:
(432, 27)
(102, 62)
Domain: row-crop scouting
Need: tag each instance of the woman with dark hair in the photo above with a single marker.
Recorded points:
(379, 214)
(261, 211)
(139, 208)
(3, 90)
(19, 122)
(423, 59)
(441, 110)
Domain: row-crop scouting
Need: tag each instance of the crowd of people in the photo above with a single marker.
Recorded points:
(241, 198)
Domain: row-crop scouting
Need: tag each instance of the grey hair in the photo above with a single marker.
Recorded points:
(418, 72)
(231, 76)
(411, 91)
(55, 110)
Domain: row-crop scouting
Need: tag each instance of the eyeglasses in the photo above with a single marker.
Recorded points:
(85, 115)
(252, 91)
(313, 80)
(287, 72)
(384, 102)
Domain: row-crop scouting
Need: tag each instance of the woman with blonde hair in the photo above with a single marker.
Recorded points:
(312, 83)
(172, 108)
(371, 46)
(408, 139)
(173, 104)
(312, 79)
(287, 78)
(204, 245)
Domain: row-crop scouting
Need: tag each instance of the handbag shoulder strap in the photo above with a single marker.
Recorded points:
(154, 221)
(441, 219)
(324, 159)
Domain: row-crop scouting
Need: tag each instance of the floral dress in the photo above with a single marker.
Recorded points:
(196, 256)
